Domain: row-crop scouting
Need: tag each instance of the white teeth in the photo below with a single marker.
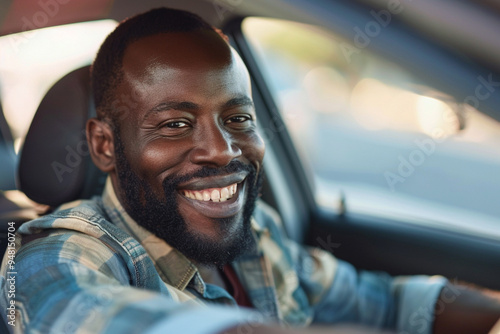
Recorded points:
(224, 193)
(215, 195)
(198, 195)
(206, 196)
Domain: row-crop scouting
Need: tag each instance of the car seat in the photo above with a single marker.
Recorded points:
(14, 206)
(55, 165)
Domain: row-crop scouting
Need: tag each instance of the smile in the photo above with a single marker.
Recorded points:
(215, 197)
(213, 194)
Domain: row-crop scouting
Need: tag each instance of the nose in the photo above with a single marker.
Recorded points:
(213, 147)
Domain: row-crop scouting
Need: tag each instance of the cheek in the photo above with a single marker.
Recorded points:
(158, 160)
(253, 149)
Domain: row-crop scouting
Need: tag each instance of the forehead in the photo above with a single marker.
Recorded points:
(188, 51)
(183, 63)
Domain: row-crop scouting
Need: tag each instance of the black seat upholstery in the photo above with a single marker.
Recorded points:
(55, 165)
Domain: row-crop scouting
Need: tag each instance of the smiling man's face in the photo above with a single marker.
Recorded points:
(188, 158)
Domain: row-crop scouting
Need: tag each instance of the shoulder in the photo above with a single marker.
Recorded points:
(79, 230)
(84, 234)
(266, 216)
(75, 230)
(87, 217)
(271, 236)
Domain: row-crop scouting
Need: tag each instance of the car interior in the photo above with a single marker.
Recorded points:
(52, 166)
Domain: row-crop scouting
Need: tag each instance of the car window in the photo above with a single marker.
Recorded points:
(375, 135)
(31, 62)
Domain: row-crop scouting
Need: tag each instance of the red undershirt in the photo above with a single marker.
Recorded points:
(234, 286)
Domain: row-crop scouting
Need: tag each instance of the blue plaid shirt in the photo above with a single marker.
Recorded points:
(90, 268)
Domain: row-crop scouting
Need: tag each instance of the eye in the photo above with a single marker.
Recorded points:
(176, 125)
(175, 128)
(240, 121)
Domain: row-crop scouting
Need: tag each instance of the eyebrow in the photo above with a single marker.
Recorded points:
(239, 102)
(190, 106)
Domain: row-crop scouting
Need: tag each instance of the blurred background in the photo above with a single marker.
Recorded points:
(387, 141)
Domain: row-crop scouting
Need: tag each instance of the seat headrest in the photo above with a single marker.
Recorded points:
(55, 165)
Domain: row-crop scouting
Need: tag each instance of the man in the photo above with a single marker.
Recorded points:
(178, 232)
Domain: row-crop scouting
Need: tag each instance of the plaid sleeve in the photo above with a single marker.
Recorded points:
(339, 293)
(73, 283)
(332, 291)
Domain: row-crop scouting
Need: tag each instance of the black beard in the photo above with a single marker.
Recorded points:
(162, 217)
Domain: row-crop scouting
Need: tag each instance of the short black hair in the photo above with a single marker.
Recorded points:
(106, 70)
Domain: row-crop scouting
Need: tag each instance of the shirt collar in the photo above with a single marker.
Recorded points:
(173, 267)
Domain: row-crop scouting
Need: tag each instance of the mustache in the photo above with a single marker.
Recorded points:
(205, 171)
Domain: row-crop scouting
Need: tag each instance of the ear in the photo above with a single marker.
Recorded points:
(101, 144)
